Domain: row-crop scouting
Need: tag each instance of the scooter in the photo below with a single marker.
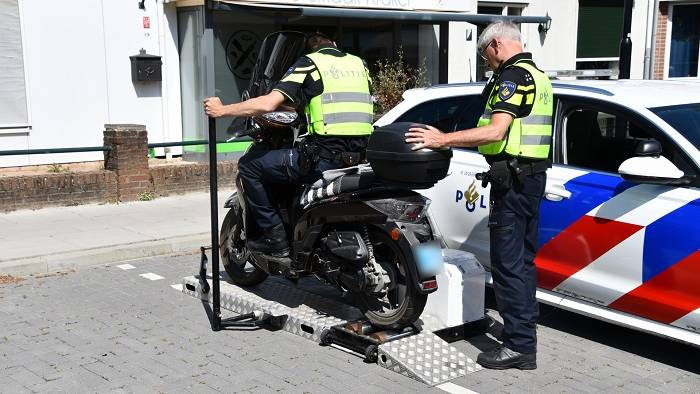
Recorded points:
(350, 229)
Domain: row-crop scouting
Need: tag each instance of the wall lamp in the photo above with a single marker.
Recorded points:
(545, 26)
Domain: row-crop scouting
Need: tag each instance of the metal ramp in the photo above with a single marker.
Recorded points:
(424, 356)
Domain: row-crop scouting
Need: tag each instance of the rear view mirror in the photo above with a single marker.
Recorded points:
(650, 167)
(648, 148)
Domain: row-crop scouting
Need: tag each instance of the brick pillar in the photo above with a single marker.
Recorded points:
(660, 44)
(128, 158)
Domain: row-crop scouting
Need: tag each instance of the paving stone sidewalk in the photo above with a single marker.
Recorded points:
(55, 239)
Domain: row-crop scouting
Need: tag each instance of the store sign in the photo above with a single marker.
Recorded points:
(425, 5)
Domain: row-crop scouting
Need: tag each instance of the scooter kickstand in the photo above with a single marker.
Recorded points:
(203, 270)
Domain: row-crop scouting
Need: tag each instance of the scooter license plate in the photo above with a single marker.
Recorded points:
(429, 259)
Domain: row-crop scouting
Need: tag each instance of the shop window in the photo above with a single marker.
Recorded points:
(599, 34)
(685, 41)
(13, 93)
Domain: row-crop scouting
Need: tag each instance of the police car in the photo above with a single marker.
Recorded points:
(619, 235)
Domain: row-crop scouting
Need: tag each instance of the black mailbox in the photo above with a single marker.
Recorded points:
(145, 67)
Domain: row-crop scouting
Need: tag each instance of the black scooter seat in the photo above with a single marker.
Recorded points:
(338, 181)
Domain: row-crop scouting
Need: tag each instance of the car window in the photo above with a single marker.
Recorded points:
(684, 118)
(447, 114)
(598, 138)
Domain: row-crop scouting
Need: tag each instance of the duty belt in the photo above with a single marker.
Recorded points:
(529, 168)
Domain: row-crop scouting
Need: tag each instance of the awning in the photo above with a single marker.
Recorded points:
(365, 13)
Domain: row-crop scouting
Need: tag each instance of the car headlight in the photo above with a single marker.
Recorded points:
(410, 209)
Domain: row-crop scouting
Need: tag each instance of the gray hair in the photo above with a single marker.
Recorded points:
(499, 29)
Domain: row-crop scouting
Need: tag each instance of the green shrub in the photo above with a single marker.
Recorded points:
(146, 196)
(57, 168)
(392, 78)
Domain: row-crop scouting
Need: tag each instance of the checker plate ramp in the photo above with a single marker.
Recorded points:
(424, 357)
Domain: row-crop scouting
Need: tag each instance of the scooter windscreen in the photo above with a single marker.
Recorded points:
(277, 54)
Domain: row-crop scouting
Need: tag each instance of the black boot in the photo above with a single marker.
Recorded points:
(273, 242)
(503, 358)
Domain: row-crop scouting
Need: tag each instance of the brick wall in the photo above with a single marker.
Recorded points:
(126, 177)
(183, 178)
(38, 191)
(660, 44)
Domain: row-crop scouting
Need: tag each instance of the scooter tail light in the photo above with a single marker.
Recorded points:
(430, 284)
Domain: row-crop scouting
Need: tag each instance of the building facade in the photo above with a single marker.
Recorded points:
(65, 67)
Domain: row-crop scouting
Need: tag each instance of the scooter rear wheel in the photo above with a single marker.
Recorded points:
(403, 304)
(234, 254)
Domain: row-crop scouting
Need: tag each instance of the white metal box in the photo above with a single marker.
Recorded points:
(459, 298)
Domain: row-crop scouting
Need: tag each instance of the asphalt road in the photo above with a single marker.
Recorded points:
(110, 329)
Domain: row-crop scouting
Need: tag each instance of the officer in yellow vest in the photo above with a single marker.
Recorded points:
(514, 134)
(334, 89)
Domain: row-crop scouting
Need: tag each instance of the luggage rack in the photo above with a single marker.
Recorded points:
(415, 351)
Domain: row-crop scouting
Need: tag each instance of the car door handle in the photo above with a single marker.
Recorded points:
(556, 193)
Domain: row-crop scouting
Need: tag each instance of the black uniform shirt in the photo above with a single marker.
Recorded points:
(507, 81)
(301, 83)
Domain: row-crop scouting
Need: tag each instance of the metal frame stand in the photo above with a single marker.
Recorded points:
(209, 86)
(361, 337)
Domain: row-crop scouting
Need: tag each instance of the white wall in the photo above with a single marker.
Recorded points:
(461, 52)
(555, 50)
(65, 62)
(638, 36)
(79, 76)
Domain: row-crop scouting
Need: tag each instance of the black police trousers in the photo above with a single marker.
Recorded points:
(258, 169)
(513, 223)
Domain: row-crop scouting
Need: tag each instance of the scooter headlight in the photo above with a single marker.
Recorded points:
(281, 117)
(403, 210)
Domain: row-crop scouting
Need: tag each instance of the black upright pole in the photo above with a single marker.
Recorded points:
(626, 42)
(443, 54)
(208, 58)
(214, 202)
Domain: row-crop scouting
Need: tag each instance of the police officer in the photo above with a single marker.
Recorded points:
(514, 135)
(334, 88)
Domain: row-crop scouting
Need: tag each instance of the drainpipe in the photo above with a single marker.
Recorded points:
(626, 42)
(651, 39)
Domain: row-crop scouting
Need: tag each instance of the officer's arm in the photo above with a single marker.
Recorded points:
(492, 132)
(255, 106)
(430, 137)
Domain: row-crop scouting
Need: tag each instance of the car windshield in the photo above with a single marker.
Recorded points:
(684, 118)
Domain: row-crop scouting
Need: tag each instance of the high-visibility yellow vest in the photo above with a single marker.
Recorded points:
(345, 107)
(530, 136)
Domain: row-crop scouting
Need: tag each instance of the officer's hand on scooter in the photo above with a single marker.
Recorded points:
(214, 107)
(425, 136)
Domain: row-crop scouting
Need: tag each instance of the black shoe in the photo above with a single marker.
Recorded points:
(272, 243)
(503, 358)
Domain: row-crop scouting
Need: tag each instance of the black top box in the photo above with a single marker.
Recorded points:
(393, 160)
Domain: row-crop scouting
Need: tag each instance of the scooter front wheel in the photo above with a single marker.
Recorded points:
(234, 253)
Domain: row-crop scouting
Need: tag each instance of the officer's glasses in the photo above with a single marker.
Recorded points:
(482, 50)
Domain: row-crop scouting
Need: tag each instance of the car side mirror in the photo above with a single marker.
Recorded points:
(648, 148)
(650, 167)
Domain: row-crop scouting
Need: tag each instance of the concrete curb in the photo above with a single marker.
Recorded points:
(103, 255)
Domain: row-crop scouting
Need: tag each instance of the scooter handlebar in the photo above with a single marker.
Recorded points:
(244, 133)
